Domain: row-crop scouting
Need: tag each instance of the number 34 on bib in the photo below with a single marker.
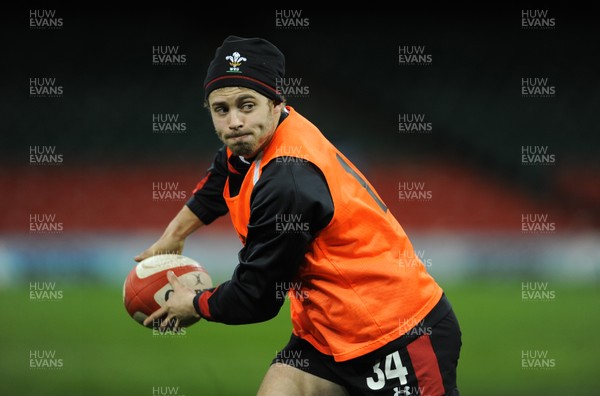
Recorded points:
(377, 381)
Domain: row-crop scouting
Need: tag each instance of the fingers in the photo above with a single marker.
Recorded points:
(174, 280)
(144, 255)
(165, 245)
(165, 310)
(159, 313)
(165, 316)
(170, 322)
(167, 322)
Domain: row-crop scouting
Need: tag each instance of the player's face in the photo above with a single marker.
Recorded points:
(244, 119)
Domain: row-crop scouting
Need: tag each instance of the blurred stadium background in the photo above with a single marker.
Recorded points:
(103, 198)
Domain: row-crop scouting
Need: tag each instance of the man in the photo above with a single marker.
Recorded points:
(367, 317)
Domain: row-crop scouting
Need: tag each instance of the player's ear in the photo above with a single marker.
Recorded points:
(278, 106)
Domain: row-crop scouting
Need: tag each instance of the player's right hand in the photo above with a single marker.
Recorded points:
(178, 311)
(165, 245)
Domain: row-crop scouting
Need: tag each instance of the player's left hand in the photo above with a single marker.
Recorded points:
(178, 311)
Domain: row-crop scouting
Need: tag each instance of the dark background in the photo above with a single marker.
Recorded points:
(471, 92)
(349, 60)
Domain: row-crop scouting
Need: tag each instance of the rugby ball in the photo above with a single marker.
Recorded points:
(147, 288)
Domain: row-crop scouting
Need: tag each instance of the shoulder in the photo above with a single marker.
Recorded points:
(291, 175)
(294, 187)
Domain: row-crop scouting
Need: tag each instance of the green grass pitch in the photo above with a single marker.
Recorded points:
(104, 352)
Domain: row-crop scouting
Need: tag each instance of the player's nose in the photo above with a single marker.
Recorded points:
(235, 120)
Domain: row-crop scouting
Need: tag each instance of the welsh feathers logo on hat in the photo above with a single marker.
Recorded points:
(235, 60)
(252, 63)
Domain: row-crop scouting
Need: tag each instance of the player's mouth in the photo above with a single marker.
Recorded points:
(235, 137)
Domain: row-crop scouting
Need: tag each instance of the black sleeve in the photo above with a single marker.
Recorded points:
(207, 202)
(290, 204)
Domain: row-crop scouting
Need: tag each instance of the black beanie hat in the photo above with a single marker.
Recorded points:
(246, 62)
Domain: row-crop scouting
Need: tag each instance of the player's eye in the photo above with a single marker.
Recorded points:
(220, 109)
(248, 106)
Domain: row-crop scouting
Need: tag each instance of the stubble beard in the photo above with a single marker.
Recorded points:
(243, 149)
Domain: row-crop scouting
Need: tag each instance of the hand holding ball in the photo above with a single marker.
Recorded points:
(147, 289)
